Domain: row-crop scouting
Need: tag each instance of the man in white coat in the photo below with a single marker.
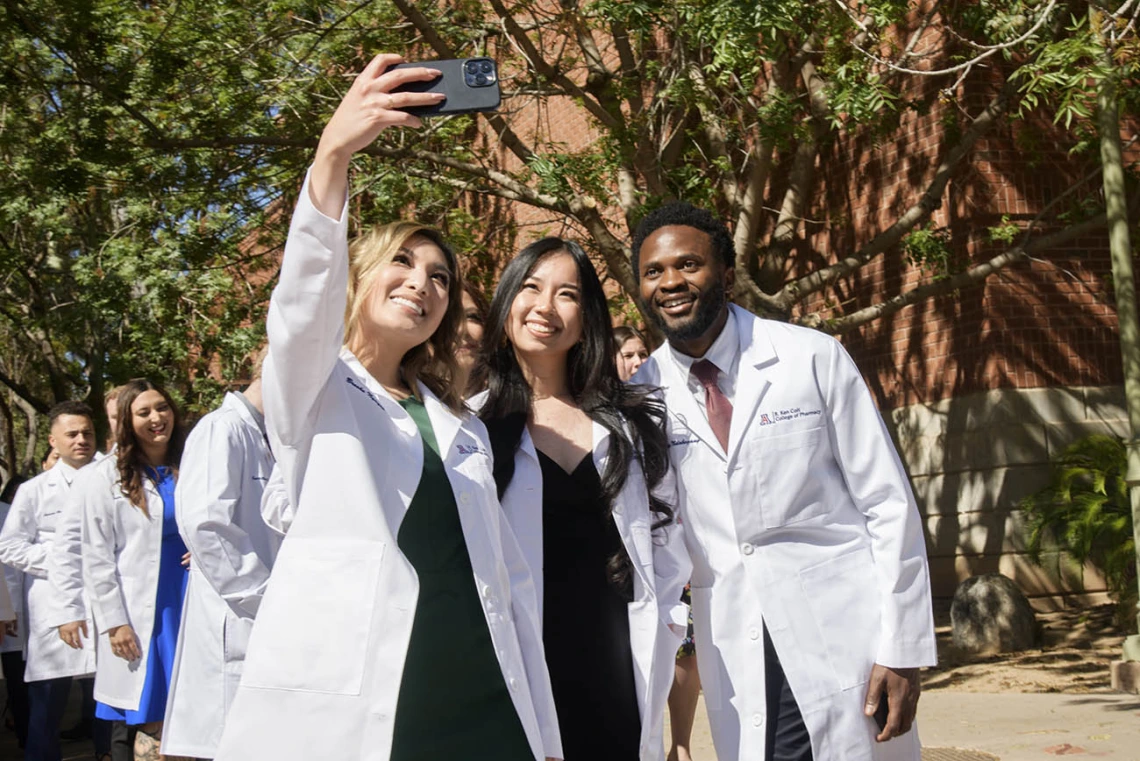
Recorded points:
(14, 626)
(24, 543)
(810, 588)
(225, 466)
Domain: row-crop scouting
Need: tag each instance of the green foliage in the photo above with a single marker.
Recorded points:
(1085, 512)
(1006, 232)
(929, 248)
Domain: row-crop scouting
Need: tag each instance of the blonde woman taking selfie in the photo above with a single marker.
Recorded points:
(400, 621)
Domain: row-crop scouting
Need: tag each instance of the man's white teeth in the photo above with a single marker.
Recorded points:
(675, 302)
(409, 303)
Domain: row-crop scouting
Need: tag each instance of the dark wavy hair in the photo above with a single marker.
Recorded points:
(592, 381)
(128, 454)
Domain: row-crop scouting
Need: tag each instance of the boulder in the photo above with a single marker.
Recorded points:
(991, 615)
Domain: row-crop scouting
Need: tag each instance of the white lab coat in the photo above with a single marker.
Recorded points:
(28, 533)
(808, 526)
(65, 560)
(661, 570)
(122, 550)
(12, 600)
(323, 669)
(224, 468)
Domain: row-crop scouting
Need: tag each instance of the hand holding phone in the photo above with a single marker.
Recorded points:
(467, 84)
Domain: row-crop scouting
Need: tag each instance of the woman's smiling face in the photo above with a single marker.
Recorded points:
(152, 419)
(546, 314)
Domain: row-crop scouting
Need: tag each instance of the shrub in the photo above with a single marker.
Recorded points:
(1085, 512)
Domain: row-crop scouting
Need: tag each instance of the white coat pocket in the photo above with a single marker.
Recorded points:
(313, 627)
(790, 487)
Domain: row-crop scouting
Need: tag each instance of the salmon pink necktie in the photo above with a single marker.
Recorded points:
(717, 406)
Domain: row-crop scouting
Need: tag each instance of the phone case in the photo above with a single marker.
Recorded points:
(466, 82)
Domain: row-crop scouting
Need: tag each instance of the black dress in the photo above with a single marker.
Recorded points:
(453, 701)
(586, 619)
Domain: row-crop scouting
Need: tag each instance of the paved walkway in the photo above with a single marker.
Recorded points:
(1009, 726)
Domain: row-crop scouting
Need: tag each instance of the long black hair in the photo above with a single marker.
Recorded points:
(592, 381)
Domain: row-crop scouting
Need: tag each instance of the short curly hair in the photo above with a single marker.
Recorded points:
(684, 214)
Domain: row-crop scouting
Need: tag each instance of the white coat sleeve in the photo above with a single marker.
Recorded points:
(65, 560)
(879, 486)
(108, 606)
(210, 480)
(524, 609)
(19, 547)
(306, 320)
(671, 565)
(276, 509)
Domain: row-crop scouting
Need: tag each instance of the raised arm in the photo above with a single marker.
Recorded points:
(210, 483)
(306, 312)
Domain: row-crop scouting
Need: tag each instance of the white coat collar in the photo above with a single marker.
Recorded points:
(62, 474)
(756, 352)
(445, 424)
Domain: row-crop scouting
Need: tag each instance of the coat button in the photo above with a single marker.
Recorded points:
(465, 498)
(486, 591)
(757, 720)
(514, 683)
(746, 548)
(754, 633)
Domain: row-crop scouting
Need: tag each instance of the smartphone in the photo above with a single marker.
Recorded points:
(470, 84)
(882, 712)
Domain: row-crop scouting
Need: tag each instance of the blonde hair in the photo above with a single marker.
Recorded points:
(111, 394)
(433, 361)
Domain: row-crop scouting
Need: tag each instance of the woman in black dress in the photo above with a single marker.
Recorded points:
(601, 542)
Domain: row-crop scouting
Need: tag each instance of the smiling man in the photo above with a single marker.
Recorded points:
(810, 588)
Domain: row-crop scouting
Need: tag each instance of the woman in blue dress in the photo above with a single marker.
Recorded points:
(133, 558)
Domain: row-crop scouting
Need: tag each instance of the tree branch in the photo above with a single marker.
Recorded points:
(931, 199)
(25, 394)
(969, 277)
(503, 131)
(550, 72)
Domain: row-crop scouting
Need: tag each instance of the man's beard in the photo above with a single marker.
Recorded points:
(709, 307)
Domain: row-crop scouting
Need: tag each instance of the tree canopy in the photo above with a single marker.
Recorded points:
(153, 150)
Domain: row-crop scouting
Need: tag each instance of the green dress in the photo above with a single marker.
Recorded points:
(453, 702)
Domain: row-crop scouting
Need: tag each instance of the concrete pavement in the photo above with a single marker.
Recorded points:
(1008, 726)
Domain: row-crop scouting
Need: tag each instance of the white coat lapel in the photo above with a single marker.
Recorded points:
(756, 353)
(686, 415)
(621, 509)
(444, 423)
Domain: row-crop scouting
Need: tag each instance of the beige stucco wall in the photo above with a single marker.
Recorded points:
(971, 459)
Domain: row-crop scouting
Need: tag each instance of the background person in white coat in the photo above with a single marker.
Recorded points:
(15, 632)
(224, 469)
(24, 543)
(400, 620)
(810, 590)
(133, 563)
(581, 464)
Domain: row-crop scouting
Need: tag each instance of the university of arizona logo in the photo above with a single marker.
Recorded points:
(765, 420)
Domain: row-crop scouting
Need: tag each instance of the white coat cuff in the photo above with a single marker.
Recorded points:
(67, 615)
(907, 655)
(305, 204)
(111, 618)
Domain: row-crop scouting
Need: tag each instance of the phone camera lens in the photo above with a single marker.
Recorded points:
(487, 67)
(480, 79)
(472, 67)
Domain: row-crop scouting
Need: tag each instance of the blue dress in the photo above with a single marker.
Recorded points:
(167, 614)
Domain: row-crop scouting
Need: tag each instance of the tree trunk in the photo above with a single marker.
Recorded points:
(1123, 278)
